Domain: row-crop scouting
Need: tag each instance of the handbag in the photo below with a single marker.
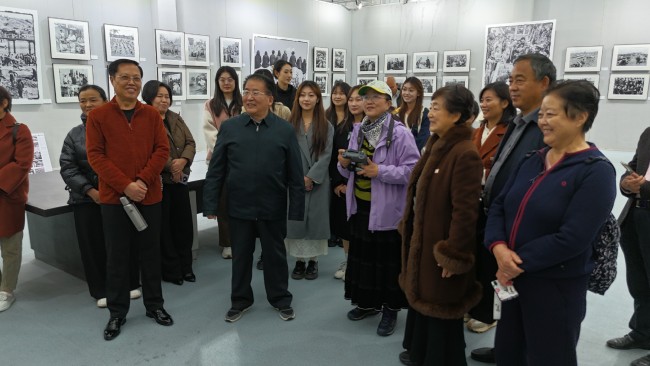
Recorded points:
(605, 254)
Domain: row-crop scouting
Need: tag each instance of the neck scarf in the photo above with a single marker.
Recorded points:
(372, 130)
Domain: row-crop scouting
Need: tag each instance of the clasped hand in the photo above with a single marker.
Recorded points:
(633, 182)
(136, 191)
(508, 262)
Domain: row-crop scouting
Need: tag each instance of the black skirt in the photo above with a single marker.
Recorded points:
(339, 225)
(433, 341)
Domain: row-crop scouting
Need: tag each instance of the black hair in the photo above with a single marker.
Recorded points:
(475, 110)
(502, 91)
(97, 88)
(579, 96)
(218, 101)
(279, 64)
(542, 66)
(112, 68)
(266, 73)
(150, 90)
(267, 82)
(330, 112)
(5, 95)
(458, 99)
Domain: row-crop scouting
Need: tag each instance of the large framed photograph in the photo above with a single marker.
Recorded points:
(395, 63)
(323, 84)
(68, 79)
(451, 80)
(628, 86)
(321, 59)
(425, 62)
(268, 49)
(69, 39)
(338, 78)
(592, 78)
(197, 50)
(505, 42)
(198, 84)
(365, 80)
(633, 57)
(367, 65)
(230, 51)
(121, 42)
(175, 78)
(339, 59)
(20, 55)
(170, 47)
(583, 59)
(456, 61)
(429, 83)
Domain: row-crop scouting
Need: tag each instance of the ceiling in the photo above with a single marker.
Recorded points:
(354, 4)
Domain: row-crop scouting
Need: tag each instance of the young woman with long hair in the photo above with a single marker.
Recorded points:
(412, 112)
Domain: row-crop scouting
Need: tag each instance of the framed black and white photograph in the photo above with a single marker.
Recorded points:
(505, 42)
(321, 59)
(121, 42)
(633, 57)
(268, 49)
(592, 78)
(198, 84)
(321, 80)
(69, 39)
(20, 71)
(367, 65)
(197, 50)
(456, 61)
(170, 47)
(230, 51)
(339, 59)
(429, 83)
(451, 79)
(338, 78)
(175, 78)
(399, 80)
(395, 63)
(365, 80)
(628, 86)
(68, 79)
(583, 59)
(425, 62)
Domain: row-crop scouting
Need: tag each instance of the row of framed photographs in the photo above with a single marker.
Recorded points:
(422, 62)
(633, 57)
(428, 82)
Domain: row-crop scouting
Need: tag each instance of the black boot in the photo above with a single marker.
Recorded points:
(299, 271)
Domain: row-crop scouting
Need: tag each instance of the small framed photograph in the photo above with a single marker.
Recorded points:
(230, 51)
(68, 79)
(425, 62)
(175, 78)
(429, 83)
(338, 78)
(198, 84)
(170, 47)
(321, 59)
(456, 61)
(197, 50)
(365, 80)
(593, 78)
(628, 86)
(69, 39)
(395, 63)
(632, 57)
(339, 59)
(321, 80)
(121, 42)
(367, 65)
(450, 80)
(583, 59)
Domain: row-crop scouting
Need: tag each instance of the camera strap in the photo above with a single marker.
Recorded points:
(389, 135)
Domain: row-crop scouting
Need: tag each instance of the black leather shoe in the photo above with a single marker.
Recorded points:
(260, 264)
(627, 342)
(190, 277)
(485, 355)
(175, 281)
(311, 273)
(643, 361)
(112, 329)
(161, 317)
(299, 271)
(405, 359)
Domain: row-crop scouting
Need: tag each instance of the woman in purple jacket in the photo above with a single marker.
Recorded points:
(375, 198)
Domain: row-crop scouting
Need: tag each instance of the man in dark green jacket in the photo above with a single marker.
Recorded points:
(258, 158)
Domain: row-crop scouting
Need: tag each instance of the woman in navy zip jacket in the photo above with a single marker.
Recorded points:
(541, 230)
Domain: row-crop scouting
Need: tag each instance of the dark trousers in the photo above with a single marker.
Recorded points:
(90, 236)
(121, 236)
(486, 269)
(433, 341)
(276, 270)
(222, 219)
(542, 325)
(635, 242)
(177, 231)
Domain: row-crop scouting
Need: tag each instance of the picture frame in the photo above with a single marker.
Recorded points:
(453, 79)
(395, 63)
(121, 42)
(68, 79)
(321, 78)
(321, 59)
(632, 57)
(367, 64)
(339, 59)
(198, 84)
(197, 50)
(583, 59)
(338, 77)
(69, 39)
(295, 51)
(170, 47)
(456, 61)
(429, 83)
(425, 62)
(365, 80)
(174, 77)
(628, 86)
(230, 51)
(593, 78)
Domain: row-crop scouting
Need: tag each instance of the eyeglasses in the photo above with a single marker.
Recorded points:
(226, 80)
(254, 93)
(373, 98)
(126, 78)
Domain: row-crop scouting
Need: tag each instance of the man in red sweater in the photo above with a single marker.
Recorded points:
(128, 148)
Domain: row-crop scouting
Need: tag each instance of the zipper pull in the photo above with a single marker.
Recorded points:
(257, 128)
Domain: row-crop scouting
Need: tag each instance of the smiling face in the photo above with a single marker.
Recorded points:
(558, 128)
(257, 106)
(440, 119)
(338, 97)
(409, 93)
(492, 106)
(307, 99)
(127, 82)
(90, 99)
(375, 104)
(161, 101)
(355, 103)
(525, 90)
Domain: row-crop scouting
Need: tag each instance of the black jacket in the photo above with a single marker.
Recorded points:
(261, 166)
(76, 172)
(639, 163)
(286, 97)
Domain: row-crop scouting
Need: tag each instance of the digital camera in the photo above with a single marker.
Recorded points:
(356, 157)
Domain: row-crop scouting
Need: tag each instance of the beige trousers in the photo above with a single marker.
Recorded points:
(11, 249)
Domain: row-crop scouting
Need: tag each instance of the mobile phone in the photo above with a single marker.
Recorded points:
(504, 293)
(627, 167)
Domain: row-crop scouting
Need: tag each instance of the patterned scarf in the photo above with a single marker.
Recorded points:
(372, 130)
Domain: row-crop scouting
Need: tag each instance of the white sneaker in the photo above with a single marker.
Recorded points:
(226, 253)
(340, 273)
(479, 327)
(6, 299)
(135, 294)
(101, 303)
